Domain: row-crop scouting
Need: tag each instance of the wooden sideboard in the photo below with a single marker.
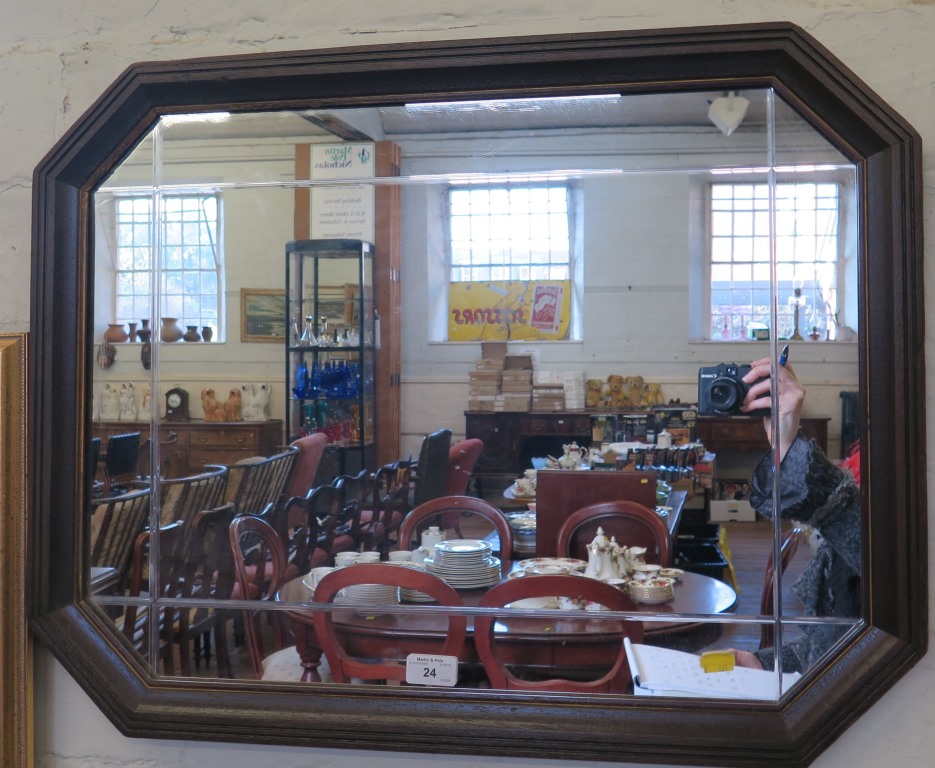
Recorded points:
(746, 433)
(205, 442)
(511, 439)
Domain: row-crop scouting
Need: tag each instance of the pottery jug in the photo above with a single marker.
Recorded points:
(116, 333)
(191, 333)
(144, 331)
(207, 333)
(170, 330)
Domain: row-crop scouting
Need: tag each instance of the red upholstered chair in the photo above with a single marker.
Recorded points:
(787, 549)
(489, 629)
(436, 511)
(462, 456)
(311, 448)
(344, 666)
(630, 523)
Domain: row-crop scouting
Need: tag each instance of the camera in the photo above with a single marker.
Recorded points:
(721, 388)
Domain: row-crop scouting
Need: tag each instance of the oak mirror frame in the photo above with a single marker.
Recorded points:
(890, 638)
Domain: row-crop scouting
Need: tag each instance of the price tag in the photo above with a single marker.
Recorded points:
(425, 669)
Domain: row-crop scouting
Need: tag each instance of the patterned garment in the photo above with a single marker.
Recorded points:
(825, 497)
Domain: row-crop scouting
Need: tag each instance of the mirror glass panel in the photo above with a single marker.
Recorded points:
(685, 243)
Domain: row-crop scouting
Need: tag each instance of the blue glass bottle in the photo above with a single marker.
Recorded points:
(301, 380)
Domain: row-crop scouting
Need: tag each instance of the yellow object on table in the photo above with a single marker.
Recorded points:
(717, 661)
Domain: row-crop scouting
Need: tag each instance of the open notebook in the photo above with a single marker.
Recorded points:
(664, 672)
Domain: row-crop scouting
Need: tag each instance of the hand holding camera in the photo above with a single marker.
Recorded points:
(731, 388)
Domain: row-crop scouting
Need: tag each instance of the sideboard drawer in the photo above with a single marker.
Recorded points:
(223, 438)
(558, 425)
(197, 458)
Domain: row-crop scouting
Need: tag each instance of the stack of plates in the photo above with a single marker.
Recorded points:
(464, 563)
(413, 595)
(369, 594)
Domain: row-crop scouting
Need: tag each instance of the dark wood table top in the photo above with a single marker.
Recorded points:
(564, 639)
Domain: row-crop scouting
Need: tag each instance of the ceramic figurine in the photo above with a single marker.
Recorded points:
(110, 404)
(232, 406)
(146, 404)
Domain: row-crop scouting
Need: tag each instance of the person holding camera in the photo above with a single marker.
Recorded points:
(815, 492)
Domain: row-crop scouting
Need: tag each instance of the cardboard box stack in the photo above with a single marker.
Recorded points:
(516, 385)
(486, 377)
(548, 397)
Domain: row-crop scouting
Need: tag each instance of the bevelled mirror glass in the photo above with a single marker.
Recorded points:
(251, 271)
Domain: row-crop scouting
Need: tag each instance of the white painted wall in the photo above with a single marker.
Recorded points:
(56, 57)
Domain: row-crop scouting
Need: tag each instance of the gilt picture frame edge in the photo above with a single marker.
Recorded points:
(16, 675)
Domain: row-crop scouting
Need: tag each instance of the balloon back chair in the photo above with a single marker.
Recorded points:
(345, 666)
(437, 511)
(629, 522)
(491, 636)
(788, 546)
(261, 569)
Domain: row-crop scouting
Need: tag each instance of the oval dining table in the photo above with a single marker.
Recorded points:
(567, 640)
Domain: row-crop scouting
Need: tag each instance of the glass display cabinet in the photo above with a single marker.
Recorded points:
(330, 348)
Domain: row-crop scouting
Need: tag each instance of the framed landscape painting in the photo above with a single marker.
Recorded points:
(263, 315)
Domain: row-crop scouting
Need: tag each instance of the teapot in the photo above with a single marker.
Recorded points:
(572, 456)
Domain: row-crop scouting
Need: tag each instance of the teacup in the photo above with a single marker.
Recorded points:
(368, 557)
(316, 575)
(530, 474)
(343, 559)
(645, 572)
(525, 487)
(400, 556)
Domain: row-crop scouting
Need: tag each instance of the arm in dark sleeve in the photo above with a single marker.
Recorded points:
(815, 492)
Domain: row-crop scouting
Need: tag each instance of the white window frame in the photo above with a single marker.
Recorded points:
(176, 297)
(844, 265)
(515, 265)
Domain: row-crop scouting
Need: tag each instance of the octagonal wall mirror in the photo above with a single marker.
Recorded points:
(616, 121)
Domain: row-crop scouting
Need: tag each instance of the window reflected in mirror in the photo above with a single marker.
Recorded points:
(631, 244)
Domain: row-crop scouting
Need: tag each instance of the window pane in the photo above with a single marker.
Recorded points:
(513, 233)
(807, 247)
(189, 260)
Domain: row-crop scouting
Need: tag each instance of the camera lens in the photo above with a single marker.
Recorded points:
(725, 395)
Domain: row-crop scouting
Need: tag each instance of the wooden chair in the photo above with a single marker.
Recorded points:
(95, 487)
(256, 486)
(115, 523)
(787, 549)
(489, 631)
(630, 523)
(183, 497)
(431, 473)
(121, 462)
(343, 665)
(135, 621)
(167, 456)
(389, 505)
(202, 568)
(356, 493)
(437, 511)
(302, 524)
(254, 543)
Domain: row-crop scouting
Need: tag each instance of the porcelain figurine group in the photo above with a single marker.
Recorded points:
(609, 560)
